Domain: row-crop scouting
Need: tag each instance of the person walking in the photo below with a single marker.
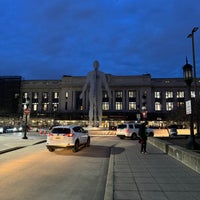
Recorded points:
(143, 138)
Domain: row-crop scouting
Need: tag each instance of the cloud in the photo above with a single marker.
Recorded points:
(48, 38)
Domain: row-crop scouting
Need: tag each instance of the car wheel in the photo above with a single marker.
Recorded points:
(133, 136)
(88, 142)
(51, 149)
(76, 146)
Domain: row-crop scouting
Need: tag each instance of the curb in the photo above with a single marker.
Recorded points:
(108, 195)
(11, 149)
(20, 147)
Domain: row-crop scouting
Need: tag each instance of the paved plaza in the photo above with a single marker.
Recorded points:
(133, 175)
(152, 176)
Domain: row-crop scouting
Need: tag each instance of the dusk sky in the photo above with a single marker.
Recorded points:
(46, 39)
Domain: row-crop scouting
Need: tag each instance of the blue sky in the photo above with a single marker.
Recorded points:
(46, 39)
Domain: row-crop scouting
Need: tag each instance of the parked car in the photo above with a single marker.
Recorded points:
(149, 131)
(7, 129)
(173, 132)
(1, 129)
(127, 130)
(67, 136)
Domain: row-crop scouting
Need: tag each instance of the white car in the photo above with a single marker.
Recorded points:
(149, 131)
(1, 129)
(127, 130)
(67, 136)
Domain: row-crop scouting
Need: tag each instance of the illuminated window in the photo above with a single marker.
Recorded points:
(180, 104)
(169, 106)
(35, 95)
(55, 100)
(25, 95)
(54, 107)
(105, 106)
(157, 95)
(118, 105)
(35, 98)
(66, 95)
(55, 95)
(192, 94)
(45, 107)
(158, 106)
(45, 95)
(105, 94)
(180, 94)
(132, 105)
(35, 107)
(168, 94)
(132, 94)
(118, 94)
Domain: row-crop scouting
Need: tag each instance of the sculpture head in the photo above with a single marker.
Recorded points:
(96, 64)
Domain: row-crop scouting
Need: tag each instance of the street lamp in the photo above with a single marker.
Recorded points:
(188, 78)
(26, 113)
(191, 35)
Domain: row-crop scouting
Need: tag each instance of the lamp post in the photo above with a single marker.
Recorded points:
(26, 113)
(191, 35)
(188, 78)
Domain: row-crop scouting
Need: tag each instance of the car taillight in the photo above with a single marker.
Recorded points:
(69, 135)
(127, 130)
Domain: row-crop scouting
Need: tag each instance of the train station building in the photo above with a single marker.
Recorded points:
(132, 98)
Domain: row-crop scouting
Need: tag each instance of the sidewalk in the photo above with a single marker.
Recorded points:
(152, 176)
(13, 141)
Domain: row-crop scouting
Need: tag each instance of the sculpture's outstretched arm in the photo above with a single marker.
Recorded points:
(106, 85)
(85, 87)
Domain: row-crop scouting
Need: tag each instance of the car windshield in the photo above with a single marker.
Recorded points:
(121, 126)
(137, 125)
(60, 130)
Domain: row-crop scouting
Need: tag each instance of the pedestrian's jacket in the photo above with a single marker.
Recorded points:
(142, 132)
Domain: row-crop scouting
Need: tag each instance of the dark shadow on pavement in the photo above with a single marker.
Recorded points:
(117, 150)
(91, 151)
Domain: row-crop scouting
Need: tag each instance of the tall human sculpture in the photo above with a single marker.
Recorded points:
(95, 81)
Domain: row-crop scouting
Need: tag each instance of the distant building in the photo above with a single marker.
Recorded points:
(9, 94)
(132, 96)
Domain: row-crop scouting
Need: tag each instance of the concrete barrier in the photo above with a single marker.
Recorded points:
(189, 158)
(165, 133)
(157, 132)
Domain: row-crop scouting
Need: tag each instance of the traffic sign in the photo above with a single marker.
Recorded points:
(188, 107)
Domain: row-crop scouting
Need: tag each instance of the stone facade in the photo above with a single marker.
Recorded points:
(61, 97)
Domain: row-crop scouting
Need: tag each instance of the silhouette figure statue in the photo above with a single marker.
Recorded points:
(95, 80)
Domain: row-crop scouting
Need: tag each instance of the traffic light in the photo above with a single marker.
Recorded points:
(144, 105)
(144, 101)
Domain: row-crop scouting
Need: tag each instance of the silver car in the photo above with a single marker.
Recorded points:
(67, 136)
